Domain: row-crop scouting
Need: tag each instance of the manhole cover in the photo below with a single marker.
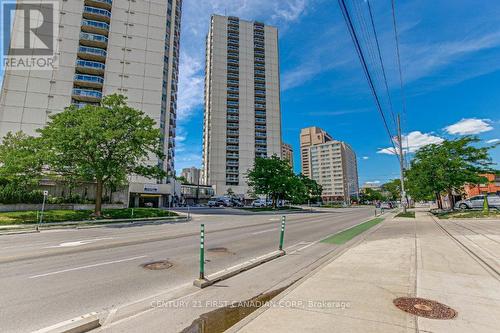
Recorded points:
(157, 265)
(425, 308)
(218, 249)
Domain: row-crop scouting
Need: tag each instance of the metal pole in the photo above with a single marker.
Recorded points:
(189, 213)
(43, 208)
(401, 166)
(202, 252)
(282, 234)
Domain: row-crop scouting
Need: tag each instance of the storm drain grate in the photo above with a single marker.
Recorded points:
(157, 265)
(425, 308)
(218, 250)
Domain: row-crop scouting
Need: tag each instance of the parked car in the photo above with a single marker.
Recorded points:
(476, 202)
(259, 203)
(386, 205)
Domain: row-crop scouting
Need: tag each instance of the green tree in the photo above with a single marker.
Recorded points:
(393, 187)
(102, 143)
(272, 177)
(182, 179)
(446, 167)
(20, 160)
(371, 195)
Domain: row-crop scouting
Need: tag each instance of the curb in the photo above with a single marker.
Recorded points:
(80, 324)
(91, 224)
(232, 271)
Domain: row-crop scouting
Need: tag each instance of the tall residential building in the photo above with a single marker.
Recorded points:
(191, 174)
(287, 153)
(242, 101)
(105, 47)
(310, 136)
(334, 167)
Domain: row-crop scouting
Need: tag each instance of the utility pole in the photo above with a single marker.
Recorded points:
(401, 167)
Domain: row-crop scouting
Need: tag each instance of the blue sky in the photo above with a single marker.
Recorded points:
(450, 53)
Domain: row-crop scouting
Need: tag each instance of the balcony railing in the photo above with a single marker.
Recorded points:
(233, 89)
(233, 75)
(106, 4)
(233, 69)
(232, 155)
(260, 106)
(260, 99)
(260, 134)
(259, 127)
(233, 118)
(233, 82)
(232, 103)
(90, 67)
(260, 59)
(232, 47)
(232, 163)
(91, 53)
(95, 26)
(232, 54)
(233, 96)
(260, 113)
(232, 110)
(232, 148)
(232, 125)
(86, 95)
(93, 13)
(259, 52)
(232, 140)
(260, 85)
(233, 61)
(88, 80)
(233, 35)
(232, 132)
(260, 93)
(89, 39)
(260, 120)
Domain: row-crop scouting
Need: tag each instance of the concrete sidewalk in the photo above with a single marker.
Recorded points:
(403, 257)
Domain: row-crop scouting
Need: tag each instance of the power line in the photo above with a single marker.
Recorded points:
(381, 62)
(361, 56)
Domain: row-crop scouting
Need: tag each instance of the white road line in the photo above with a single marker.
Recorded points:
(263, 231)
(304, 247)
(84, 267)
(78, 243)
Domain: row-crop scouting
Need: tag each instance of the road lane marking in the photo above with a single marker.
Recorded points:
(85, 267)
(78, 243)
(263, 231)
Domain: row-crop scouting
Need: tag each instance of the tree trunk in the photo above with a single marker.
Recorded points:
(438, 200)
(98, 198)
(451, 199)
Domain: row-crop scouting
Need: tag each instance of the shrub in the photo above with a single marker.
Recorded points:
(10, 194)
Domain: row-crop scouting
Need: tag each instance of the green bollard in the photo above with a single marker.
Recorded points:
(282, 234)
(202, 252)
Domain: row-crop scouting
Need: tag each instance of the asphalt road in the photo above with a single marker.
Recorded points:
(57, 275)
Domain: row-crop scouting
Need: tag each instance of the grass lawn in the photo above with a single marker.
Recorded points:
(346, 235)
(268, 209)
(467, 214)
(25, 217)
(410, 214)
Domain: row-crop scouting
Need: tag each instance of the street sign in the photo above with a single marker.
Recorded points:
(45, 193)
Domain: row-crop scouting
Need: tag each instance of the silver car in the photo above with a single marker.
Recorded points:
(476, 202)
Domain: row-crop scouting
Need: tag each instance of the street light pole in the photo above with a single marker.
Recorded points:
(401, 166)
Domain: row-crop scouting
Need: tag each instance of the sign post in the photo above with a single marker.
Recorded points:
(45, 194)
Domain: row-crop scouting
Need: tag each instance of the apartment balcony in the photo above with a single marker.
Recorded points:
(233, 48)
(232, 180)
(260, 106)
(232, 96)
(232, 125)
(104, 4)
(258, 46)
(259, 27)
(91, 53)
(260, 73)
(259, 52)
(233, 76)
(260, 120)
(233, 89)
(232, 103)
(233, 61)
(260, 113)
(233, 69)
(93, 40)
(86, 95)
(232, 118)
(261, 150)
(232, 148)
(232, 155)
(259, 66)
(96, 27)
(260, 79)
(259, 85)
(260, 128)
(261, 155)
(258, 38)
(232, 163)
(260, 134)
(260, 60)
(90, 67)
(260, 94)
(88, 81)
(233, 41)
(233, 110)
(233, 55)
(260, 142)
(232, 132)
(233, 35)
(98, 14)
(232, 171)
(232, 140)
(233, 28)
(234, 83)
(260, 99)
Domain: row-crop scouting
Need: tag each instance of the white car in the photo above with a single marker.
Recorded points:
(259, 203)
(477, 202)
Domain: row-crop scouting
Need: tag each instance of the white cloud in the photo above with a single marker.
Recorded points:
(365, 157)
(191, 85)
(469, 126)
(413, 142)
(373, 182)
(493, 141)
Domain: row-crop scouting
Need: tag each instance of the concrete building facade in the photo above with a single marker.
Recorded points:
(287, 153)
(191, 174)
(242, 118)
(308, 137)
(105, 47)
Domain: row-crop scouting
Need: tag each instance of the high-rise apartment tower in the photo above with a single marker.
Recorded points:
(242, 118)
